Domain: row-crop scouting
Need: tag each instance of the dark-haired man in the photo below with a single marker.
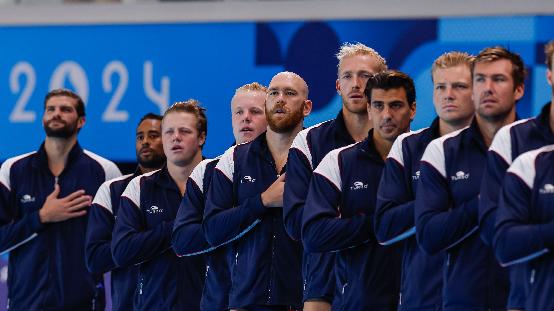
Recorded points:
(356, 63)
(340, 205)
(511, 141)
(421, 287)
(150, 157)
(44, 196)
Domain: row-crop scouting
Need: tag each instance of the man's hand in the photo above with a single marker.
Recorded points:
(273, 196)
(71, 206)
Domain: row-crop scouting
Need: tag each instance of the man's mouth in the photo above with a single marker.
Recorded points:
(146, 151)
(246, 130)
(356, 96)
(279, 110)
(489, 101)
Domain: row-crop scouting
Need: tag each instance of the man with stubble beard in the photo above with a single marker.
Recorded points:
(44, 196)
(356, 63)
(447, 198)
(245, 200)
(150, 156)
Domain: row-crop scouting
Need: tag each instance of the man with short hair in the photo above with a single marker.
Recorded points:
(394, 217)
(150, 156)
(248, 112)
(357, 63)
(447, 199)
(142, 233)
(244, 204)
(248, 120)
(44, 196)
(510, 142)
(340, 205)
(525, 224)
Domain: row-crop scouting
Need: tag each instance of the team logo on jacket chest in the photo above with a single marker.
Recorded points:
(460, 175)
(415, 176)
(27, 198)
(358, 185)
(247, 179)
(154, 210)
(547, 189)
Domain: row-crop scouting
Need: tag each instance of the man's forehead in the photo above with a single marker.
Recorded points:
(178, 119)
(390, 94)
(247, 98)
(149, 125)
(359, 62)
(61, 101)
(498, 65)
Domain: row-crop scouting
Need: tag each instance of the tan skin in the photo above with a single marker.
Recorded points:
(73, 205)
(290, 90)
(354, 71)
(148, 141)
(494, 96)
(452, 98)
(391, 115)
(248, 115)
(182, 145)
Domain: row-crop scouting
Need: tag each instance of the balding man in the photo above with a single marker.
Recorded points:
(244, 204)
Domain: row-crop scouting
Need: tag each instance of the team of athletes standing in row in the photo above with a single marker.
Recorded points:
(355, 213)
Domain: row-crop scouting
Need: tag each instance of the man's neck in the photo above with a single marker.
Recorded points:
(356, 124)
(57, 151)
(382, 145)
(144, 170)
(489, 127)
(279, 144)
(449, 127)
(180, 174)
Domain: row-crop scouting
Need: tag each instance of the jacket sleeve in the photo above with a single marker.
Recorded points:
(15, 229)
(98, 254)
(299, 173)
(499, 159)
(440, 224)
(132, 242)
(223, 221)
(394, 214)
(517, 239)
(323, 228)
(188, 236)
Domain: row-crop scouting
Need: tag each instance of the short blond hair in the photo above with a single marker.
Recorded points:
(548, 52)
(251, 87)
(193, 107)
(352, 49)
(452, 59)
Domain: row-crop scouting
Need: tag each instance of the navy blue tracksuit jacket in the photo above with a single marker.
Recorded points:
(267, 262)
(307, 150)
(421, 285)
(98, 253)
(338, 217)
(46, 264)
(524, 232)
(510, 141)
(189, 240)
(142, 236)
(446, 215)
